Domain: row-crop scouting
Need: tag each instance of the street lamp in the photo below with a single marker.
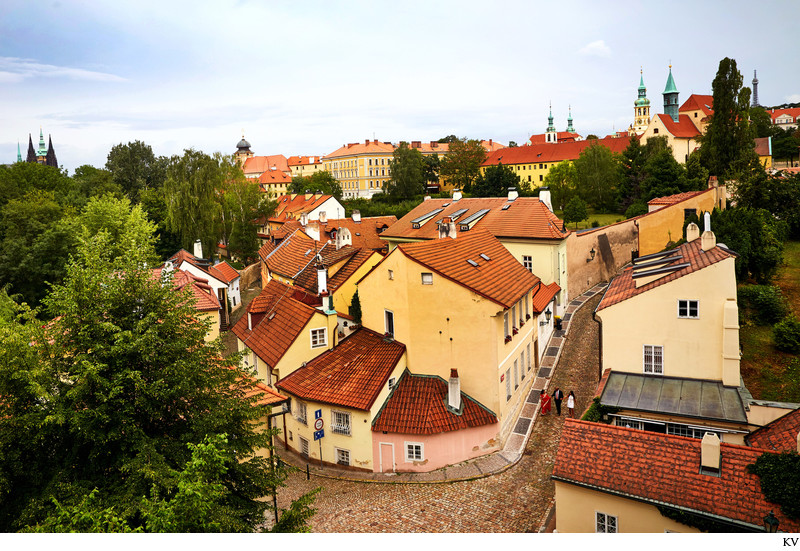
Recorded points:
(547, 315)
(771, 523)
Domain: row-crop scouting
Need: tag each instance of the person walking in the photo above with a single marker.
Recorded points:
(544, 397)
(571, 404)
(558, 395)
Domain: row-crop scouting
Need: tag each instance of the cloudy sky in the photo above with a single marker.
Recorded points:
(303, 78)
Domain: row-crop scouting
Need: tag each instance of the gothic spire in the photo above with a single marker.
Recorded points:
(31, 151)
(19, 154)
(42, 151)
(51, 160)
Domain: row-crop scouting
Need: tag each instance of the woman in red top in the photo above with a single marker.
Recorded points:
(545, 399)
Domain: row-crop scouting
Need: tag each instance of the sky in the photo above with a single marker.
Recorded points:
(306, 77)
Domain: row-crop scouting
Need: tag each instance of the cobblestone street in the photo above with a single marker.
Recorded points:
(517, 500)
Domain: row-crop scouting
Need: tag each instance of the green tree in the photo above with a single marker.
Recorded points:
(575, 211)
(727, 146)
(496, 182)
(322, 181)
(154, 203)
(461, 165)
(784, 143)
(560, 180)
(665, 176)
(21, 178)
(779, 195)
(761, 122)
(407, 173)
(696, 173)
(243, 203)
(128, 227)
(355, 308)
(449, 139)
(597, 175)
(92, 182)
(432, 165)
(779, 475)
(512, 143)
(191, 194)
(135, 168)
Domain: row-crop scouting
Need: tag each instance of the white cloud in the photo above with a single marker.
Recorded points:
(597, 48)
(793, 98)
(14, 69)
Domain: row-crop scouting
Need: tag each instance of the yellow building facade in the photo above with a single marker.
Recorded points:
(361, 168)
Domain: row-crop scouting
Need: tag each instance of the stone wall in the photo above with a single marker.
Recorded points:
(250, 274)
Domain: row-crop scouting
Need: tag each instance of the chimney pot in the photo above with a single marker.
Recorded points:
(457, 195)
(710, 451)
(454, 390)
(198, 248)
(692, 232)
(356, 216)
(512, 194)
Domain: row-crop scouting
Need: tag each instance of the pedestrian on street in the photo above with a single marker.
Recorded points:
(558, 395)
(571, 404)
(544, 397)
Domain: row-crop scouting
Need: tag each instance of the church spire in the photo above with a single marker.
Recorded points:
(31, 151)
(641, 108)
(19, 154)
(569, 121)
(41, 153)
(50, 159)
(551, 135)
(671, 97)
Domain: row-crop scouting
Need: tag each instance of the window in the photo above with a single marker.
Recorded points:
(392, 382)
(505, 325)
(340, 422)
(303, 446)
(689, 309)
(516, 375)
(319, 337)
(414, 452)
(427, 278)
(508, 385)
(300, 412)
(653, 359)
(605, 523)
(391, 274)
(342, 457)
(655, 130)
(522, 364)
(514, 316)
(541, 178)
(389, 319)
(527, 307)
(688, 213)
(529, 357)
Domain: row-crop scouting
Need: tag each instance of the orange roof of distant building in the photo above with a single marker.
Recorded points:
(350, 375)
(263, 163)
(293, 254)
(286, 229)
(478, 261)
(359, 148)
(779, 435)
(624, 287)
(491, 145)
(293, 205)
(418, 405)
(793, 112)
(274, 177)
(264, 395)
(350, 259)
(672, 199)
(525, 217)
(364, 234)
(299, 160)
(763, 146)
(664, 470)
(538, 139)
(429, 147)
(684, 128)
(280, 321)
(552, 152)
(207, 300)
(221, 271)
(701, 102)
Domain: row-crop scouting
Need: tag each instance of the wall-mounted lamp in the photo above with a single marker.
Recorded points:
(547, 314)
(591, 255)
(771, 523)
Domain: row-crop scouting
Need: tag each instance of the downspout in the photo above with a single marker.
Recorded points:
(599, 322)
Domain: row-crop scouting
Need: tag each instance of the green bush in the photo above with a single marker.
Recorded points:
(636, 209)
(764, 303)
(595, 224)
(787, 335)
(596, 411)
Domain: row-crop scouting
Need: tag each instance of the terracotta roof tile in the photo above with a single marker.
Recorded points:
(684, 128)
(222, 272)
(286, 229)
(779, 435)
(663, 469)
(299, 160)
(623, 286)
(274, 177)
(368, 147)
(364, 234)
(701, 102)
(551, 153)
(672, 199)
(538, 139)
(794, 112)
(293, 254)
(543, 295)
(501, 279)
(207, 300)
(525, 217)
(350, 375)
(291, 206)
(262, 163)
(308, 279)
(278, 321)
(265, 396)
(763, 146)
(418, 405)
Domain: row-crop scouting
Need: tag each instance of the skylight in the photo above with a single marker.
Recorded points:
(417, 222)
(472, 262)
(483, 256)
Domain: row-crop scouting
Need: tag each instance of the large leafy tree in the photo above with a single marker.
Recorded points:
(322, 181)
(496, 182)
(135, 168)
(243, 203)
(408, 173)
(93, 182)
(780, 195)
(118, 410)
(560, 180)
(597, 175)
(664, 176)
(727, 146)
(461, 165)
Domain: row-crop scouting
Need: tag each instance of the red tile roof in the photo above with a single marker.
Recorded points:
(293, 255)
(292, 206)
(368, 147)
(298, 160)
(794, 112)
(543, 295)
(779, 435)
(662, 469)
(264, 395)
(286, 229)
(684, 128)
(551, 153)
(348, 259)
(272, 335)
(501, 279)
(274, 177)
(526, 218)
(623, 286)
(308, 279)
(672, 199)
(350, 375)
(701, 102)
(538, 139)
(222, 272)
(763, 146)
(366, 233)
(263, 163)
(418, 405)
(207, 300)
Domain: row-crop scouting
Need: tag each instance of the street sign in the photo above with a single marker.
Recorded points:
(318, 414)
(319, 434)
(318, 424)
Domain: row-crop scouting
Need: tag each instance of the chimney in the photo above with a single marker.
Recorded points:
(323, 217)
(426, 198)
(712, 181)
(798, 442)
(709, 452)
(692, 232)
(356, 216)
(708, 240)
(457, 195)
(198, 248)
(454, 390)
(366, 142)
(303, 219)
(512, 194)
(249, 321)
(490, 142)
(416, 145)
(447, 228)
(544, 197)
(322, 278)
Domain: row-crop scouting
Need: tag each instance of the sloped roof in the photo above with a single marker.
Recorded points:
(623, 286)
(418, 405)
(207, 300)
(684, 128)
(368, 147)
(701, 102)
(293, 205)
(793, 112)
(662, 469)
(286, 229)
(298, 160)
(265, 396)
(501, 278)
(538, 139)
(779, 435)
(274, 177)
(350, 375)
(525, 217)
(307, 278)
(293, 254)
(543, 295)
(353, 260)
(272, 335)
(263, 163)
(672, 199)
(366, 233)
(552, 152)
(763, 146)
(221, 271)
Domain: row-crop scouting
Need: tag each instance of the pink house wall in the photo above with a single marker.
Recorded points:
(440, 450)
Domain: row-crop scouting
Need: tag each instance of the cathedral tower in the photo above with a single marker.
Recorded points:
(570, 128)
(641, 108)
(551, 136)
(671, 97)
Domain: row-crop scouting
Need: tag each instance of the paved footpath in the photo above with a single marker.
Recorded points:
(508, 491)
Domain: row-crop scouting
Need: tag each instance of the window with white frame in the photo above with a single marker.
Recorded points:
(427, 278)
(529, 356)
(300, 412)
(654, 359)
(340, 422)
(319, 337)
(506, 332)
(415, 451)
(342, 457)
(303, 446)
(516, 375)
(392, 382)
(527, 261)
(522, 364)
(605, 523)
(508, 384)
(389, 320)
(689, 309)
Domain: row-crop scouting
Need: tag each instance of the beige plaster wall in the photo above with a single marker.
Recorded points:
(549, 261)
(659, 227)
(760, 415)
(576, 510)
(343, 296)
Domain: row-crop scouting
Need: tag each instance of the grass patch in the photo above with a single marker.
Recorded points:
(602, 220)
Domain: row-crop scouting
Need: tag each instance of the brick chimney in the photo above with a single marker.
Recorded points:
(454, 390)
(710, 452)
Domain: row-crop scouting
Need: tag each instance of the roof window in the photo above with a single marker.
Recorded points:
(416, 223)
(472, 262)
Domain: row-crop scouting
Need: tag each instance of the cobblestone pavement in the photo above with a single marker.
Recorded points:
(516, 500)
